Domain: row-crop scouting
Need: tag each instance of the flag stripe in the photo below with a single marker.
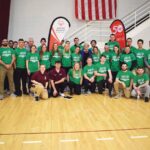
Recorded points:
(103, 9)
(95, 9)
(90, 9)
(110, 8)
(83, 9)
(76, 8)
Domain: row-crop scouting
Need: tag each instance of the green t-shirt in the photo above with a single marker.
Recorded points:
(75, 76)
(140, 79)
(115, 63)
(125, 76)
(6, 55)
(66, 59)
(33, 60)
(55, 57)
(95, 58)
(45, 59)
(140, 54)
(112, 44)
(73, 48)
(60, 49)
(147, 55)
(127, 58)
(21, 55)
(76, 58)
(39, 48)
(89, 70)
(108, 55)
(102, 69)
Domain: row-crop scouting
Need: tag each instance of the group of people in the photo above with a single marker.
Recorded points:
(76, 69)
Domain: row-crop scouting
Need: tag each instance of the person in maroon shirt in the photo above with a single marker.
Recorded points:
(58, 80)
(40, 82)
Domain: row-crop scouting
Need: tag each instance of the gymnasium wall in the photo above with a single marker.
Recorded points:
(32, 18)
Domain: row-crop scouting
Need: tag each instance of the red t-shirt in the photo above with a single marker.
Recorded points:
(41, 78)
(56, 76)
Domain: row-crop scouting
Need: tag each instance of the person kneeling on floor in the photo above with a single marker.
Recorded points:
(39, 82)
(141, 85)
(58, 80)
(124, 82)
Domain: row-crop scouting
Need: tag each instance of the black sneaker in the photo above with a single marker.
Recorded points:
(37, 98)
(146, 99)
(25, 93)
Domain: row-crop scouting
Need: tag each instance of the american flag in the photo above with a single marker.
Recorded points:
(95, 9)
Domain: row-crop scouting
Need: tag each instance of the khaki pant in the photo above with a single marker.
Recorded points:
(9, 73)
(118, 86)
(147, 70)
(40, 91)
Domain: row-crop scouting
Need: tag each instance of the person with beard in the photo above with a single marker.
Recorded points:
(141, 85)
(7, 58)
(124, 81)
(20, 73)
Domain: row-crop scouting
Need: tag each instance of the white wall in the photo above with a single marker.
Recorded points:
(141, 32)
(32, 18)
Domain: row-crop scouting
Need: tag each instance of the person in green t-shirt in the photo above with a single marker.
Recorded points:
(89, 76)
(103, 75)
(56, 56)
(140, 54)
(112, 42)
(76, 57)
(43, 42)
(20, 73)
(61, 47)
(76, 44)
(7, 59)
(114, 62)
(75, 78)
(45, 57)
(129, 43)
(66, 58)
(107, 53)
(124, 81)
(32, 63)
(129, 58)
(141, 85)
(96, 55)
(147, 62)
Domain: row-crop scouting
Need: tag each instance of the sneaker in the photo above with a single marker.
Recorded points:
(1, 97)
(37, 98)
(117, 96)
(89, 92)
(138, 97)
(13, 95)
(146, 99)
(62, 94)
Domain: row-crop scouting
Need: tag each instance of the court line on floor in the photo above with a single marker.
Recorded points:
(68, 132)
(105, 139)
(32, 142)
(139, 137)
(69, 140)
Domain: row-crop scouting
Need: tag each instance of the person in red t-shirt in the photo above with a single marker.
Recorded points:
(58, 80)
(40, 82)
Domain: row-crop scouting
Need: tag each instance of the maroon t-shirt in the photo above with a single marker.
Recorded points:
(41, 78)
(56, 76)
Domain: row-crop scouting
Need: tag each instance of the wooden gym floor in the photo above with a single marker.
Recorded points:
(92, 122)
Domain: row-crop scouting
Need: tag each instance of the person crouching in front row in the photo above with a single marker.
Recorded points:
(58, 80)
(40, 82)
(75, 78)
